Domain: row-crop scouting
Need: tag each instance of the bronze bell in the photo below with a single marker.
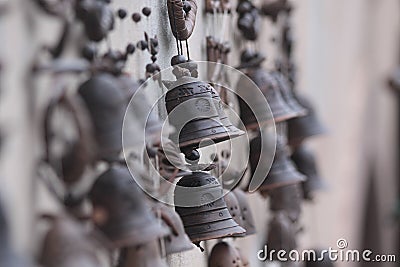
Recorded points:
(198, 114)
(106, 103)
(247, 216)
(120, 211)
(287, 199)
(177, 241)
(70, 244)
(305, 162)
(304, 127)
(270, 88)
(288, 94)
(144, 255)
(318, 262)
(282, 172)
(281, 234)
(232, 204)
(200, 204)
(225, 255)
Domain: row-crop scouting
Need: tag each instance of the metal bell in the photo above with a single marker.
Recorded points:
(304, 127)
(270, 88)
(282, 172)
(247, 216)
(288, 94)
(200, 204)
(70, 244)
(288, 199)
(120, 211)
(106, 103)
(281, 234)
(232, 204)
(305, 162)
(177, 241)
(142, 256)
(198, 113)
(225, 255)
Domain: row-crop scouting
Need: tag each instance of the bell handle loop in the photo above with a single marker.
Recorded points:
(182, 23)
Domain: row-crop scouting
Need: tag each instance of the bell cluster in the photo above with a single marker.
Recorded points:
(102, 138)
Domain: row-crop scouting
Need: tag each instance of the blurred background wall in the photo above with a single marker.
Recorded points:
(345, 51)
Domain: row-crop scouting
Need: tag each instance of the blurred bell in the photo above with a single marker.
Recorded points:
(287, 199)
(106, 104)
(247, 216)
(243, 257)
(232, 204)
(200, 204)
(170, 162)
(288, 94)
(198, 114)
(142, 113)
(144, 255)
(225, 255)
(318, 262)
(120, 211)
(304, 127)
(177, 241)
(69, 244)
(281, 235)
(282, 172)
(270, 88)
(305, 162)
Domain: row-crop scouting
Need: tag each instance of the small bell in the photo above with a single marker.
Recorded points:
(171, 164)
(305, 162)
(144, 255)
(247, 216)
(281, 235)
(195, 110)
(288, 94)
(288, 199)
(270, 88)
(69, 244)
(120, 212)
(225, 255)
(200, 204)
(106, 103)
(177, 241)
(232, 204)
(282, 172)
(304, 127)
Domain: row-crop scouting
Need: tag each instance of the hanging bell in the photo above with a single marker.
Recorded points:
(225, 255)
(270, 88)
(120, 211)
(247, 216)
(69, 244)
(177, 241)
(287, 199)
(232, 204)
(288, 94)
(304, 127)
(305, 162)
(282, 172)
(170, 162)
(200, 204)
(281, 235)
(317, 261)
(195, 110)
(106, 103)
(144, 255)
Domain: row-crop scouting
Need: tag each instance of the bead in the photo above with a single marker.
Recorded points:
(136, 17)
